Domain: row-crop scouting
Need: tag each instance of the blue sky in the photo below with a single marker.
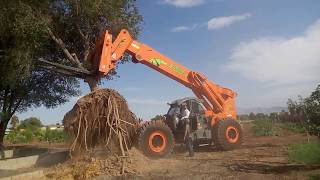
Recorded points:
(267, 51)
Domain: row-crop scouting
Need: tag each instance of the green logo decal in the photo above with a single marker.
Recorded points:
(158, 62)
(176, 68)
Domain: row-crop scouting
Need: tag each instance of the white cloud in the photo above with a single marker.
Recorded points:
(220, 22)
(184, 3)
(214, 23)
(280, 61)
(180, 29)
(184, 28)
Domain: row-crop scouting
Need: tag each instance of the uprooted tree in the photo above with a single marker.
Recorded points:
(101, 118)
(45, 47)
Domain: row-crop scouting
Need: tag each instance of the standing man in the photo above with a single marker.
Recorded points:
(185, 113)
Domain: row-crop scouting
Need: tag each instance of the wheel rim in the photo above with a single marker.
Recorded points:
(157, 141)
(232, 134)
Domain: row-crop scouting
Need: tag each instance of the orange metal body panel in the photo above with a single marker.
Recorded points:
(219, 101)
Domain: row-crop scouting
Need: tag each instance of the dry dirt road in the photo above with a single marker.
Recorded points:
(259, 158)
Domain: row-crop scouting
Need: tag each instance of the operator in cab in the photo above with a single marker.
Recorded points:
(185, 113)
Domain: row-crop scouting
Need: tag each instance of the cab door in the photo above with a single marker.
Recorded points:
(194, 114)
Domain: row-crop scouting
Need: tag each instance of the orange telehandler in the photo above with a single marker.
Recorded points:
(213, 111)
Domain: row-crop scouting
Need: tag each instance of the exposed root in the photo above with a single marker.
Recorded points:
(101, 119)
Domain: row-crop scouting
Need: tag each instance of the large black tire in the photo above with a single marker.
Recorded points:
(156, 139)
(227, 134)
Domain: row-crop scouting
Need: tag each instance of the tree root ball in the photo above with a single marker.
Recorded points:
(101, 119)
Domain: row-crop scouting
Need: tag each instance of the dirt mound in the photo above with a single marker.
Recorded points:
(101, 119)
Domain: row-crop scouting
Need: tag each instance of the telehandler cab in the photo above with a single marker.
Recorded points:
(213, 112)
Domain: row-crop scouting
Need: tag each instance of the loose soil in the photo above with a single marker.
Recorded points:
(259, 158)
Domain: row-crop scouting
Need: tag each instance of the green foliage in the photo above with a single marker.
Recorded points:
(157, 117)
(252, 116)
(243, 117)
(26, 136)
(14, 122)
(24, 38)
(32, 123)
(307, 153)
(79, 23)
(293, 127)
(265, 127)
(16, 136)
(12, 136)
(261, 116)
(307, 111)
(274, 116)
(22, 33)
(29, 135)
(312, 108)
(314, 177)
(56, 136)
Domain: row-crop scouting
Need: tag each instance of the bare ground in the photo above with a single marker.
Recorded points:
(258, 158)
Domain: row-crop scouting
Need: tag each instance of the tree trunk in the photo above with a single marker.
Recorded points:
(92, 82)
(3, 126)
(9, 108)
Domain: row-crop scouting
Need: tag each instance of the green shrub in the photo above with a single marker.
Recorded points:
(307, 153)
(32, 123)
(28, 135)
(12, 136)
(265, 127)
(16, 136)
(293, 127)
(57, 136)
(39, 134)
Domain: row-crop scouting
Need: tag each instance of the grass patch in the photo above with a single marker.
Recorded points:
(293, 127)
(306, 153)
(265, 127)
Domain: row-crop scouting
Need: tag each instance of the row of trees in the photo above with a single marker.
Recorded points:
(31, 123)
(46, 48)
(304, 111)
(30, 130)
(279, 116)
(307, 111)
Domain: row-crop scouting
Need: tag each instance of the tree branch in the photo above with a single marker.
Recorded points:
(65, 50)
(84, 37)
(11, 101)
(86, 43)
(15, 108)
(67, 70)
(4, 106)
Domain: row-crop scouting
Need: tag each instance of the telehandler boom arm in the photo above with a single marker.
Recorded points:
(218, 101)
